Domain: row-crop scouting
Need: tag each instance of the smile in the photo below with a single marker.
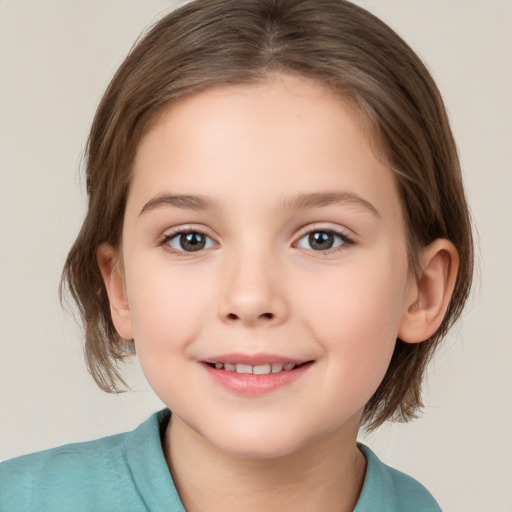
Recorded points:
(255, 374)
(260, 369)
(244, 379)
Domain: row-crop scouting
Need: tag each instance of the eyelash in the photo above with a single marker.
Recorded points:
(166, 239)
(343, 238)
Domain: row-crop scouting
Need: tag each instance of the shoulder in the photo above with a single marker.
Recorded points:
(92, 475)
(389, 488)
(60, 474)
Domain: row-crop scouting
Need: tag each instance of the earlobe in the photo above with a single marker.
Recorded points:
(430, 293)
(111, 269)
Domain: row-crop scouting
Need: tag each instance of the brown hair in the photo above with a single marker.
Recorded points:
(336, 43)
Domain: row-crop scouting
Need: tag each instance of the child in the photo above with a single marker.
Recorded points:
(277, 228)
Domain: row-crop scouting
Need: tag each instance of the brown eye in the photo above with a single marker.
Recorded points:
(322, 240)
(190, 241)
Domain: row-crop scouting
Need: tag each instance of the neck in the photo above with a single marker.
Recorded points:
(327, 475)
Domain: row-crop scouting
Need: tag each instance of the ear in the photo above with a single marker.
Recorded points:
(110, 264)
(429, 293)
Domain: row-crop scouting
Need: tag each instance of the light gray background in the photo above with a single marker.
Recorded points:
(57, 57)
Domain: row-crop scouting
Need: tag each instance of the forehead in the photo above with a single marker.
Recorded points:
(286, 134)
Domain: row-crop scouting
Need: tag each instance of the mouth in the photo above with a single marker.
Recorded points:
(260, 369)
(254, 375)
(257, 374)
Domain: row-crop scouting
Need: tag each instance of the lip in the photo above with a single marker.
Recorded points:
(248, 384)
(253, 359)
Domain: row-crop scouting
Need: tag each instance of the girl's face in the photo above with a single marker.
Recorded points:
(262, 234)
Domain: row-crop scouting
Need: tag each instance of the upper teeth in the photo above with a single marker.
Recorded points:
(262, 369)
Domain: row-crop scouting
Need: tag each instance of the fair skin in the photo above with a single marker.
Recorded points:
(261, 229)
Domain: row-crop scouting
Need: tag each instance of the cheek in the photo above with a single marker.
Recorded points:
(355, 317)
(168, 310)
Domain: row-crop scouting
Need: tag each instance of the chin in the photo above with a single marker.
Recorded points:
(269, 443)
(260, 450)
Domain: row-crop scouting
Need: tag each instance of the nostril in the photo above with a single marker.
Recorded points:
(268, 316)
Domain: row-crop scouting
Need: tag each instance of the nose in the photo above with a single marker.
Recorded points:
(253, 293)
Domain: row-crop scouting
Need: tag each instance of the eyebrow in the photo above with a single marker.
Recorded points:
(300, 201)
(320, 199)
(183, 201)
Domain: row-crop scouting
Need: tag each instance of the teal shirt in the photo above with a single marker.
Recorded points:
(128, 473)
